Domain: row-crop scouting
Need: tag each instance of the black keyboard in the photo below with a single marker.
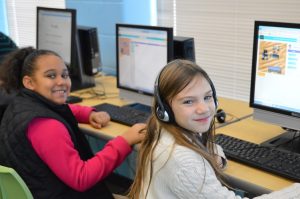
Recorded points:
(276, 161)
(123, 114)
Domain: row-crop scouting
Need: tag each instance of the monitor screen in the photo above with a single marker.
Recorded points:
(142, 51)
(275, 91)
(57, 31)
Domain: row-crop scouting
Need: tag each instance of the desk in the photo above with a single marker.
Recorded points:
(235, 110)
(246, 129)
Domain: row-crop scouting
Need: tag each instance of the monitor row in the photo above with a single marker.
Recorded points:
(137, 45)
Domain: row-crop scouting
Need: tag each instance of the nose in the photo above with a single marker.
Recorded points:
(202, 107)
(60, 80)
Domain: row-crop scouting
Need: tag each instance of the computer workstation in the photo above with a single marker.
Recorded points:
(141, 52)
(275, 99)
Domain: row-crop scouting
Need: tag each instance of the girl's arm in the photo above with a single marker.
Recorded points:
(52, 142)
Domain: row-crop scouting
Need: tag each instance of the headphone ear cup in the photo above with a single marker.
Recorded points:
(221, 116)
(162, 114)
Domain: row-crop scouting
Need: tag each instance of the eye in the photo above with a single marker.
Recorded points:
(208, 97)
(65, 75)
(51, 75)
(189, 101)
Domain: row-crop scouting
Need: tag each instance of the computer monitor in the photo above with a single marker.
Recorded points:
(275, 90)
(57, 31)
(142, 51)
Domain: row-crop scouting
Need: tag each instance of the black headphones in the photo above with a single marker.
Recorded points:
(221, 116)
(164, 112)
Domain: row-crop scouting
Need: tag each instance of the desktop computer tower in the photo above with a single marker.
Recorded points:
(184, 48)
(90, 51)
(79, 78)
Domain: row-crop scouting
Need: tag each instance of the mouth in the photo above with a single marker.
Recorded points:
(60, 91)
(202, 119)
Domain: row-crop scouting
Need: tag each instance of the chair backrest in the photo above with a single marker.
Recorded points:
(12, 186)
(6, 45)
(2, 109)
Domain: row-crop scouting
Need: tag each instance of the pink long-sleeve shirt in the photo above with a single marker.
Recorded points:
(52, 142)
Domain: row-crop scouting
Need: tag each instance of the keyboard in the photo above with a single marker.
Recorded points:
(276, 161)
(123, 114)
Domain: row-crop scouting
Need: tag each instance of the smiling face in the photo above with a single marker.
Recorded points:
(50, 79)
(194, 106)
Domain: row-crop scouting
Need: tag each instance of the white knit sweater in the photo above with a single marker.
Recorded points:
(179, 172)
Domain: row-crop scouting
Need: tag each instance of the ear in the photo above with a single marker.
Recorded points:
(28, 83)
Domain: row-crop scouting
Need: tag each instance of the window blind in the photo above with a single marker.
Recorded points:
(21, 17)
(165, 13)
(223, 33)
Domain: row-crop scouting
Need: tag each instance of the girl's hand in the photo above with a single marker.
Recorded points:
(99, 119)
(135, 134)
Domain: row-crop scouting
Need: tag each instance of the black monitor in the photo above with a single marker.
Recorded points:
(57, 31)
(142, 51)
(275, 80)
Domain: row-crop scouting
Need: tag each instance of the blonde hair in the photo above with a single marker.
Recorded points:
(173, 78)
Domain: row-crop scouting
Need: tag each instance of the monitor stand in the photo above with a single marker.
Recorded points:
(288, 141)
(141, 107)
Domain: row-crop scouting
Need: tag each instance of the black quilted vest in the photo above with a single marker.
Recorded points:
(17, 152)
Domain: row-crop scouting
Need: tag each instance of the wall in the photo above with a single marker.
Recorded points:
(3, 18)
(104, 14)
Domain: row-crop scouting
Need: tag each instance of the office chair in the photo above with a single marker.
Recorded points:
(12, 186)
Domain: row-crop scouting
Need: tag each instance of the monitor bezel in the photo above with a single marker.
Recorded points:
(169, 31)
(252, 103)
